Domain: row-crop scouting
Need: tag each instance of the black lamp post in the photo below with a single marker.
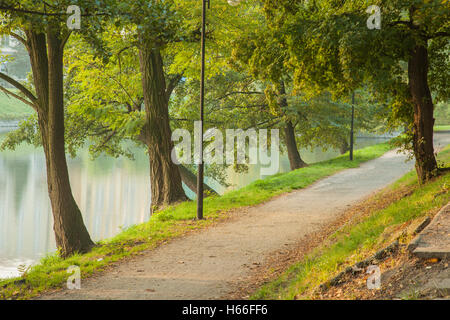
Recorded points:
(202, 107)
(352, 127)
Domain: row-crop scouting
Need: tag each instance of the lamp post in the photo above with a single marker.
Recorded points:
(201, 167)
(352, 127)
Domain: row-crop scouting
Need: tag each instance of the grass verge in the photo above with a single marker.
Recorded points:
(362, 237)
(172, 222)
(442, 128)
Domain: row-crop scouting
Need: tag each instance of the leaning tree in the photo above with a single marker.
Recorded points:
(43, 29)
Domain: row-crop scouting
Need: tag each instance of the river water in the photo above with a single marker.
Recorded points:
(111, 193)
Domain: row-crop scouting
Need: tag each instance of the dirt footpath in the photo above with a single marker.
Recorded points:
(214, 262)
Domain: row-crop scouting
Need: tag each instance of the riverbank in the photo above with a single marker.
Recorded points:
(174, 222)
(391, 215)
(8, 125)
(111, 193)
(442, 128)
(221, 261)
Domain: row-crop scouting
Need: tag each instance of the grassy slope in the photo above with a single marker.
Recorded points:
(13, 109)
(175, 221)
(360, 240)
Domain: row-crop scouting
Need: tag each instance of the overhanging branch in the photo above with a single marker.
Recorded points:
(172, 85)
(7, 92)
(19, 38)
(19, 86)
(439, 34)
(238, 92)
(49, 14)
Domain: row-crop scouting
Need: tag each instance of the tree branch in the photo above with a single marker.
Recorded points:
(276, 120)
(118, 57)
(63, 43)
(19, 86)
(110, 77)
(239, 92)
(439, 34)
(7, 92)
(260, 106)
(41, 13)
(19, 38)
(172, 85)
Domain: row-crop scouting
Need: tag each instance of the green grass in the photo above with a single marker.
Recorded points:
(356, 242)
(442, 128)
(13, 109)
(172, 222)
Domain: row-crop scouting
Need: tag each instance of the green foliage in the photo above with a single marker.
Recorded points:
(103, 97)
(442, 114)
(331, 46)
(319, 118)
(27, 132)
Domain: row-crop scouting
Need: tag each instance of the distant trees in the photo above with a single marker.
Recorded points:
(309, 118)
(442, 114)
(330, 47)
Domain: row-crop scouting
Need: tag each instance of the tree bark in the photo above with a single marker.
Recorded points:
(344, 146)
(295, 160)
(190, 180)
(166, 187)
(47, 65)
(426, 165)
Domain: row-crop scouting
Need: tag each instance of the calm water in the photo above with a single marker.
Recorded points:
(111, 193)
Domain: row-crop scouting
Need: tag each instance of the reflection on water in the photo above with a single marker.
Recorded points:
(111, 193)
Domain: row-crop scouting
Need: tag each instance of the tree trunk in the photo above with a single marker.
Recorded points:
(426, 165)
(344, 146)
(295, 160)
(70, 232)
(166, 187)
(190, 180)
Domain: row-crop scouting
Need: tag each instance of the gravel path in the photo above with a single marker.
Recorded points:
(212, 263)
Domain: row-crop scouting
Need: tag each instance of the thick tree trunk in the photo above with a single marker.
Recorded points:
(166, 187)
(295, 160)
(70, 232)
(426, 165)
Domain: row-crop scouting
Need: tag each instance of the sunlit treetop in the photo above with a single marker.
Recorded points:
(331, 45)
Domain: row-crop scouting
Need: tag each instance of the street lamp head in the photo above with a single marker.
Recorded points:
(233, 2)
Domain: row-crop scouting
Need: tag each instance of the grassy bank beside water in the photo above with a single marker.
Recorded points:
(172, 222)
